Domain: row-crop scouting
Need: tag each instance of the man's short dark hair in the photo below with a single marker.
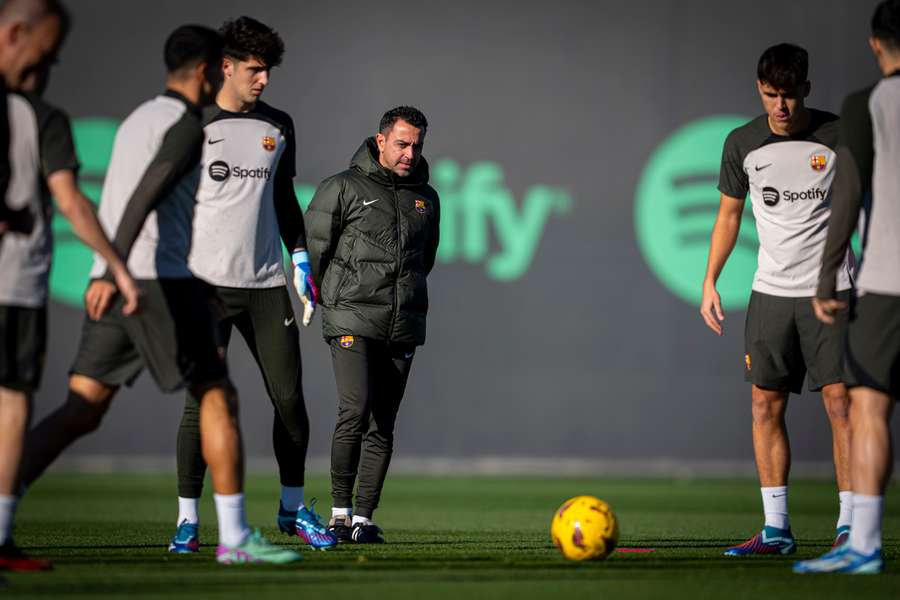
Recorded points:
(784, 66)
(411, 115)
(247, 38)
(190, 45)
(886, 24)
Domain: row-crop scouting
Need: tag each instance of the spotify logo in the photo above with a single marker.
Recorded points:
(676, 205)
(219, 170)
(770, 196)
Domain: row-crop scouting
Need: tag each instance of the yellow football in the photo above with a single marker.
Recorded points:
(584, 528)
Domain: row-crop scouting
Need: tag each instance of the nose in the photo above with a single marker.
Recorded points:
(264, 78)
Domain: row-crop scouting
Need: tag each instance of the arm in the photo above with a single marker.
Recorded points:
(324, 220)
(4, 157)
(79, 211)
(287, 209)
(724, 237)
(852, 178)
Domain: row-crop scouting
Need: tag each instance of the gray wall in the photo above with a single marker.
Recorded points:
(579, 351)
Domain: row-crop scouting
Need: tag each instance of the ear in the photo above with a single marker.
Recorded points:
(759, 86)
(380, 141)
(875, 45)
(227, 67)
(807, 87)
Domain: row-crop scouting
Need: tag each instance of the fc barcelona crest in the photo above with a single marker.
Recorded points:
(420, 206)
(818, 162)
(268, 143)
(346, 341)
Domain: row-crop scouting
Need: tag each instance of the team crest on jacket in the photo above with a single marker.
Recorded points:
(268, 143)
(420, 206)
(747, 360)
(817, 162)
(346, 341)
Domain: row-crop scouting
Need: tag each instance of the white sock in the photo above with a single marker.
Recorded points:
(846, 501)
(341, 512)
(775, 506)
(292, 498)
(865, 530)
(233, 529)
(361, 520)
(7, 511)
(188, 510)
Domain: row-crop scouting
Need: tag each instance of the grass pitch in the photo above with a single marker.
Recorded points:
(447, 538)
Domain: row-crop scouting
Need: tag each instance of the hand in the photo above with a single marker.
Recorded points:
(129, 290)
(304, 284)
(98, 298)
(711, 308)
(825, 309)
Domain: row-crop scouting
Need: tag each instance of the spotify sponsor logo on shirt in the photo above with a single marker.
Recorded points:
(771, 196)
(220, 171)
(675, 207)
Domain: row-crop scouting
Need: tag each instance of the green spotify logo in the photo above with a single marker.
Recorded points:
(675, 208)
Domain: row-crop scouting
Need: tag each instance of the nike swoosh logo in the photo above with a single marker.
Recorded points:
(778, 495)
(409, 355)
(287, 322)
(368, 202)
(758, 168)
(211, 142)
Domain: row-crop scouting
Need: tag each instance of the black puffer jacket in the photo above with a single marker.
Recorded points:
(372, 239)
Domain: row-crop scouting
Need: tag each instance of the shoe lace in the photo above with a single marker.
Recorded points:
(310, 513)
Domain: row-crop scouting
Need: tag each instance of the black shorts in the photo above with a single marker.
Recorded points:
(173, 335)
(784, 342)
(873, 344)
(23, 334)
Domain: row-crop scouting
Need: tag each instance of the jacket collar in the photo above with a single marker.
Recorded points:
(365, 160)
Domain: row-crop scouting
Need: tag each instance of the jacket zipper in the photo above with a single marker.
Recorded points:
(397, 258)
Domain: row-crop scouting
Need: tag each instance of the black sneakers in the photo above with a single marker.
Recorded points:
(340, 527)
(366, 534)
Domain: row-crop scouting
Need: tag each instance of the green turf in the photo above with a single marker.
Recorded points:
(448, 538)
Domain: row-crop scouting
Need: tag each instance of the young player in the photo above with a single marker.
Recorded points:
(785, 160)
(868, 155)
(42, 158)
(373, 236)
(245, 199)
(148, 201)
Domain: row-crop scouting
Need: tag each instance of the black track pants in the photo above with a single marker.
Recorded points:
(265, 319)
(371, 378)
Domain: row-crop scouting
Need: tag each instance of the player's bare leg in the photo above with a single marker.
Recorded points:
(870, 464)
(221, 439)
(770, 439)
(773, 462)
(15, 412)
(837, 407)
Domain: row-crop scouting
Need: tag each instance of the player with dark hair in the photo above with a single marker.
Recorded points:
(245, 200)
(42, 156)
(148, 203)
(785, 160)
(373, 237)
(868, 180)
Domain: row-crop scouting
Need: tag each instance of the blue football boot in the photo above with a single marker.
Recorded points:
(305, 523)
(770, 540)
(186, 540)
(843, 559)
